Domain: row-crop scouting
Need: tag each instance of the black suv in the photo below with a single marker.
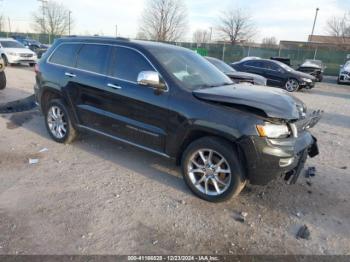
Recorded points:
(170, 101)
(277, 73)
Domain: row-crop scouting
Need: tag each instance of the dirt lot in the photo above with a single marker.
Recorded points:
(97, 196)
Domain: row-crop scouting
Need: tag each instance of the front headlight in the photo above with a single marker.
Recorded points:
(307, 80)
(12, 54)
(273, 130)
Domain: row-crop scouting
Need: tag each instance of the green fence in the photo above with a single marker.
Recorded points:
(231, 53)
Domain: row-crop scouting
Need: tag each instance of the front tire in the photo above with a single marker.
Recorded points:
(211, 169)
(2, 80)
(6, 61)
(59, 123)
(292, 85)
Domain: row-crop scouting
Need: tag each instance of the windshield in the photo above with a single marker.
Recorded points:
(11, 44)
(222, 66)
(190, 68)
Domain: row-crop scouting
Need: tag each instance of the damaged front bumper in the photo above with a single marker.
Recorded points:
(268, 159)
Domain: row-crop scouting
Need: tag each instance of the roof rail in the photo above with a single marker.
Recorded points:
(101, 37)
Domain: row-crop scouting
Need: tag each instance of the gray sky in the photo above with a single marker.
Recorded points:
(284, 19)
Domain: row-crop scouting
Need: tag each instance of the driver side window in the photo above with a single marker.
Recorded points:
(128, 64)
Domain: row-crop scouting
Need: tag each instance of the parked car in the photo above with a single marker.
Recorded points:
(2, 75)
(277, 73)
(314, 68)
(34, 45)
(172, 102)
(237, 77)
(13, 52)
(344, 74)
(284, 60)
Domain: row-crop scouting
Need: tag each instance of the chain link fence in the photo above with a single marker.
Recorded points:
(231, 53)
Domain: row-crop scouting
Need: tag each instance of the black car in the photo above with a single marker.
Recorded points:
(314, 68)
(277, 73)
(237, 77)
(172, 102)
(33, 45)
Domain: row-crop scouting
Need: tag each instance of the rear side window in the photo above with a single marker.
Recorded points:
(254, 63)
(93, 58)
(65, 55)
(128, 64)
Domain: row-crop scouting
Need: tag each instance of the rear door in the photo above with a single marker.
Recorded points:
(274, 74)
(139, 113)
(254, 67)
(86, 84)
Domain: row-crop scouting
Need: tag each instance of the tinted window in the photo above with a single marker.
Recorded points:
(272, 66)
(254, 63)
(93, 58)
(128, 64)
(65, 55)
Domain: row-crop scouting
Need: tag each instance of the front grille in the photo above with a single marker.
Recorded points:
(26, 55)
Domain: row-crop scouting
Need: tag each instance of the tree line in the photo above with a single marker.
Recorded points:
(167, 21)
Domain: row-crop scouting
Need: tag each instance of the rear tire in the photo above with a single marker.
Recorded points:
(59, 123)
(2, 80)
(31, 64)
(211, 169)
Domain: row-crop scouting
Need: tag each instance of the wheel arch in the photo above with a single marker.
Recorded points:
(200, 132)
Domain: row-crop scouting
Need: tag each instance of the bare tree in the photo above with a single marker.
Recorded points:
(269, 42)
(52, 19)
(163, 20)
(339, 26)
(236, 25)
(201, 36)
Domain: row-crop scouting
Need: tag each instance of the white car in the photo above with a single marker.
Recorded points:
(13, 52)
(344, 74)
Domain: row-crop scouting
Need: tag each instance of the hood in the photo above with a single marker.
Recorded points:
(260, 80)
(19, 50)
(304, 75)
(310, 64)
(276, 103)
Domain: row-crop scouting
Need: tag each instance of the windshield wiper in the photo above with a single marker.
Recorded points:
(215, 85)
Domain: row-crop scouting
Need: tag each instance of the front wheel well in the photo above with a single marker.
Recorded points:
(195, 135)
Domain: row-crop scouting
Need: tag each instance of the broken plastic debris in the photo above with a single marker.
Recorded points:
(43, 150)
(303, 233)
(310, 172)
(33, 161)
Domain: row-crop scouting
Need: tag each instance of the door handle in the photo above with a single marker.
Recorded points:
(114, 86)
(70, 74)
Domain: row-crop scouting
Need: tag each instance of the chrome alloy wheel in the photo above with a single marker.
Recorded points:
(57, 122)
(209, 172)
(292, 85)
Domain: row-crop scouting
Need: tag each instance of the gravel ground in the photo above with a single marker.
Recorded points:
(97, 196)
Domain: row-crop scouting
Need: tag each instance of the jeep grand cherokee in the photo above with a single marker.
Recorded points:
(170, 101)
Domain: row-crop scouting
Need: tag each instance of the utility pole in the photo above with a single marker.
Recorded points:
(43, 27)
(211, 33)
(116, 31)
(9, 21)
(69, 21)
(313, 27)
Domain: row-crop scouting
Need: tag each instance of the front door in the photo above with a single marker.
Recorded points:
(136, 113)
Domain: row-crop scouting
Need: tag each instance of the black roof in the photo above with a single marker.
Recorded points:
(120, 40)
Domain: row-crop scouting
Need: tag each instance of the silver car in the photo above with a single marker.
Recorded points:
(344, 74)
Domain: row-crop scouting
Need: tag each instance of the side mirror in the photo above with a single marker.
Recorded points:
(151, 78)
